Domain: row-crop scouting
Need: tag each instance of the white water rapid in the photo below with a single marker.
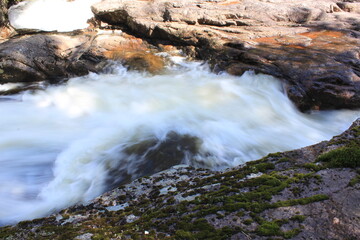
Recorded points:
(58, 146)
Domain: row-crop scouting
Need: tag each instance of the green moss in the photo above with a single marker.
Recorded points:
(283, 159)
(342, 157)
(6, 232)
(268, 229)
(248, 221)
(181, 234)
(201, 229)
(262, 167)
(313, 167)
(296, 191)
(354, 181)
(301, 201)
(274, 155)
(299, 218)
(292, 233)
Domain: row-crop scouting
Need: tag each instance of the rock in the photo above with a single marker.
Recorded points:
(286, 39)
(136, 55)
(320, 69)
(151, 156)
(349, 6)
(85, 236)
(55, 56)
(39, 57)
(5, 29)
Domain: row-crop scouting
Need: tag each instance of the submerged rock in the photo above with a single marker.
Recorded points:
(152, 156)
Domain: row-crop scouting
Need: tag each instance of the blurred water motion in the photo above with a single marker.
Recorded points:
(59, 146)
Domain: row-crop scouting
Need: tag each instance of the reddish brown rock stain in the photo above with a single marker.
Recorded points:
(226, 3)
(330, 40)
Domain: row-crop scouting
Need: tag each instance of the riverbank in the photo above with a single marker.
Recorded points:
(307, 193)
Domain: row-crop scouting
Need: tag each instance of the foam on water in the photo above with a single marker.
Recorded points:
(51, 15)
(57, 146)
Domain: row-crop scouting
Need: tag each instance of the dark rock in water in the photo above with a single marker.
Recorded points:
(290, 195)
(152, 156)
(21, 88)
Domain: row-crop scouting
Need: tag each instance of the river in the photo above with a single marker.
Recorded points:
(59, 146)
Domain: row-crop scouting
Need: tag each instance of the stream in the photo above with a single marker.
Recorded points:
(60, 146)
(69, 143)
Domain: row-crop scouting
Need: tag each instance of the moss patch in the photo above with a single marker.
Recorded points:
(268, 229)
(344, 157)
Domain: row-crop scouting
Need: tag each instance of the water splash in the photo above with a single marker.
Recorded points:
(59, 146)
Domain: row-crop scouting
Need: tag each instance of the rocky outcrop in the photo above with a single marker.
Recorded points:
(282, 38)
(54, 57)
(39, 57)
(320, 69)
(309, 193)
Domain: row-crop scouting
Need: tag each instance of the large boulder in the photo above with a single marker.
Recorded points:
(54, 57)
(233, 36)
(38, 57)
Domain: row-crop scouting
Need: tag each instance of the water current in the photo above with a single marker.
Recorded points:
(68, 143)
(59, 146)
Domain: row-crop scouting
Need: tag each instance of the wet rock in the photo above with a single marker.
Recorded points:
(136, 55)
(320, 69)
(151, 156)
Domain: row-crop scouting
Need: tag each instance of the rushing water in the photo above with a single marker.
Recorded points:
(58, 146)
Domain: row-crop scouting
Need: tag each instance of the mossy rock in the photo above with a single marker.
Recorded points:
(268, 229)
(344, 157)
